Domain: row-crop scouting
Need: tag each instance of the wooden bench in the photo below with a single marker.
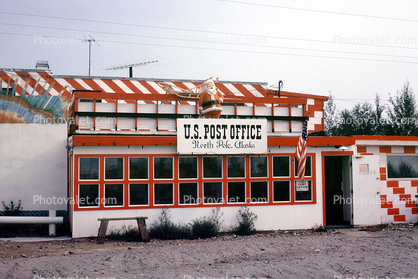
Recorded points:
(105, 221)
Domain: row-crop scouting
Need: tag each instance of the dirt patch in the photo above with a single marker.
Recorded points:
(392, 252)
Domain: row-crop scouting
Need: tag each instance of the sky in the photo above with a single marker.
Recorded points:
(353, 49)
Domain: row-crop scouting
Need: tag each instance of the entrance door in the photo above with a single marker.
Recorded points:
(366, 187)
(337, 190)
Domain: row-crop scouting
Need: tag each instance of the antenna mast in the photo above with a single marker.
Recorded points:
(91, 39)
(130, 66)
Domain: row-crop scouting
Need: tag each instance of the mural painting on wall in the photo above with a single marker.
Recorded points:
(23, 104)
(208, 96)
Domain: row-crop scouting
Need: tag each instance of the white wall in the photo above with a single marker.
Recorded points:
(85, 223)
(33, 165)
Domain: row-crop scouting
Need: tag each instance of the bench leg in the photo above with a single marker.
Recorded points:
(102, 231)
(143, 229)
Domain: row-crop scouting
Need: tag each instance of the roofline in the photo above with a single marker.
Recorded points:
(129, 78)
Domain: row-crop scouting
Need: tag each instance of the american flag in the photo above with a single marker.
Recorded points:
(301, 150)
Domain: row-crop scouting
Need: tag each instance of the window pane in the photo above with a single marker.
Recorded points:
(304, 195)
(138, 168)
(236, 192)
(187, 167)
(281, 191)
(88, 195)
(113, 194)
(402, 166)
(259, 191)
(308, 167)
(163, 193)
(138, 194)
(188, 193)
(89, 168)
(212, 167)
(113, 168)
(236, 166)
(212, 192)
(281, 166)
(258, 166)
(163, 167)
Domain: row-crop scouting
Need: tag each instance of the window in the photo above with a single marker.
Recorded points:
(236, 167)
(281, 166)
(163, 168)
(308, 167)
(212, 192)
(259, 166)
(259, 192)
(236, 192)
(88, 195)
(281, 191)
(188, 193)
(163, 193)
(89, 168)
(113, 168)
(138, 194)
(114, 194)
(303, 192)
(187, 167)
(212, 167)
(402, 166)
(138, 168)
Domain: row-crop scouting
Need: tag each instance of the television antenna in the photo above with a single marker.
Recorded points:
(130, 66)
(89, 40)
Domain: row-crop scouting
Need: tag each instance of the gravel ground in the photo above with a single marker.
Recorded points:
(346, 253)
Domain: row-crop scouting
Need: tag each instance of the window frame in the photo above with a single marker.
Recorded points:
(310, 188)
(289, 182)
(267, 194)
(129, 194)
(267, 167)
(79, 195)
(79, 168)
(289, 164)
(154, 194)
(123, 168)
(129, 168)
(227, 167)
(221, 196)
(105, 198)
(245, 191)
(399, 155)
(222, 167)
(197, 193)
(172, 168)
(197, 167)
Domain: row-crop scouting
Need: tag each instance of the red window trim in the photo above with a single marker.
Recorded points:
(150, 181)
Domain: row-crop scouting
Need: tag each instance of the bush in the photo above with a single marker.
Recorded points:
(207, 226)
(246, 220)
(129, 234)
(166, 229)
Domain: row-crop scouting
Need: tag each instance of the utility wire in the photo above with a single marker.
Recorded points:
(205, 42)
(236, 50)
(320, 11)
(205, 31)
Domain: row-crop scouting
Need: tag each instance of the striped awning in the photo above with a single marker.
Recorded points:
(115, 85)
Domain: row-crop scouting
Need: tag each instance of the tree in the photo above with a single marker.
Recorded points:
(360, 120)
(330, 117)
(402, 115)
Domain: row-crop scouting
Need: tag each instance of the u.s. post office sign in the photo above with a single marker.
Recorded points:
(221, 136)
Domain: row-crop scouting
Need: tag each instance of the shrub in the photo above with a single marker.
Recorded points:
(164, 228)
(319, 228)
(246, 220)
(12, 209)
(129, 234)
(207, 226)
